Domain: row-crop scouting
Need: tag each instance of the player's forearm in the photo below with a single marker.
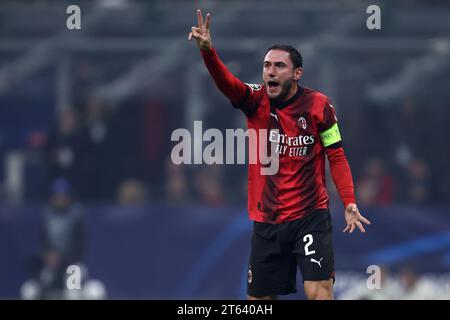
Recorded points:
(230, 86)
(342, 175)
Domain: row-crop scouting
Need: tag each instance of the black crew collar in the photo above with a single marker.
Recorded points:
(284, 104)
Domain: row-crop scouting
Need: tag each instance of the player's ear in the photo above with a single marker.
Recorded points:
(298, 73)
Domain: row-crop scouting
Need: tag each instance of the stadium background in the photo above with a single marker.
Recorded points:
(98, 106)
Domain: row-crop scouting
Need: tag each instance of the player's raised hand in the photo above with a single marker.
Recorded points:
(353, 219)
(201, 32)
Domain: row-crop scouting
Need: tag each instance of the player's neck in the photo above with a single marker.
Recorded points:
(291, 93)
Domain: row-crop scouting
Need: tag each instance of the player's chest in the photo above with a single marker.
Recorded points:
(292, 131)
(293, 120)
(292, 123)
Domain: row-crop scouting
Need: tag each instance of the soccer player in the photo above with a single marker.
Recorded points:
(292, 224)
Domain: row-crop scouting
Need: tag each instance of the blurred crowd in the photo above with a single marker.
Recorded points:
(407, 160)
(123, 154)
(116, 146)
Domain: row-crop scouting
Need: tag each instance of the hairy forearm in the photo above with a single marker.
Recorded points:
(230, 86)
(341, 173)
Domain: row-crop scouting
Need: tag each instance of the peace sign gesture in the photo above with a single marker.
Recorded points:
(201, 33)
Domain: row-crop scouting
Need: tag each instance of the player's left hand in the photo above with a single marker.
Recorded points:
(353, 219)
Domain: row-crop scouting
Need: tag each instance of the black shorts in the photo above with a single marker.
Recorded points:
(277, 250)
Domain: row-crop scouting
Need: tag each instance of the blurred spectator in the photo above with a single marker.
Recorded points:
(131, 192)
(417, 182)
(404, 123)
(176, 184)
(154, 121)
(62, 236)
(96, 121)
(208, 184)
(96, 153)
(64, 148)
(36, 139)
(416, 287)
(375, 187)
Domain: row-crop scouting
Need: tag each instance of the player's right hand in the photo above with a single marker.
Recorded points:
(201, 33)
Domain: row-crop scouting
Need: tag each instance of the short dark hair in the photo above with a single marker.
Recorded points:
(294, 54)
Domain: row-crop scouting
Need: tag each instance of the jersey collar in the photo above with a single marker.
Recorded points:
(284, 104)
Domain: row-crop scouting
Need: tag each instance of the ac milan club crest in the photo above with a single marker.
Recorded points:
(302, 123)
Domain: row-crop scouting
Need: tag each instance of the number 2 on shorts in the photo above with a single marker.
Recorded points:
(309, 239)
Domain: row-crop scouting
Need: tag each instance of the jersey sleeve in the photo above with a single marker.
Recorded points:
(330, 135)
(243, 96)
(251, 100)
(332, 141)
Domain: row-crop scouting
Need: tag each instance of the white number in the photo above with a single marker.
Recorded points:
(308, 238)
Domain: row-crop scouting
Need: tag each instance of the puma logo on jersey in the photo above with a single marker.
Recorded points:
(274, 115)
(315, 261)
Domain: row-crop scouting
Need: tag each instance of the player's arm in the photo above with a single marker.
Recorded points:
(232, 87)
(340, 170)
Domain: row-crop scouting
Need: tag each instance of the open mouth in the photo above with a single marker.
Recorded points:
(272, 84)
